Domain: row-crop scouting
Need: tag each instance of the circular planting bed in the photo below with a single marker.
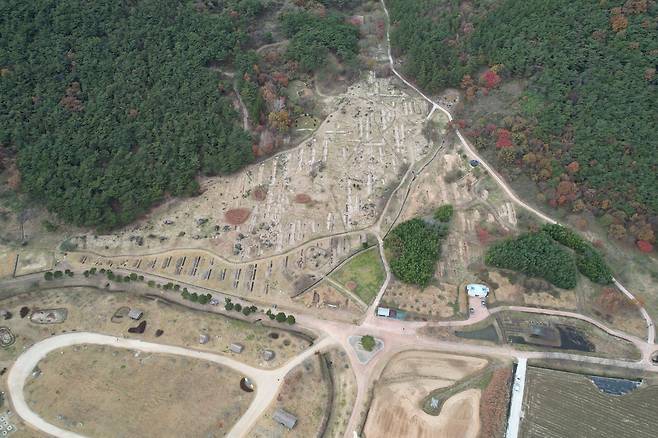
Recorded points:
(237, 216)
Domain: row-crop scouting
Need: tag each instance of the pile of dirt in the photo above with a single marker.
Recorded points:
(302, 198)
(351, 285)
(237, 216)
(259, 193)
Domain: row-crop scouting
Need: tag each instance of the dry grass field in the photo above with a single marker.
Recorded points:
(92, 310)
(344, 393)
(407, 380)
(305, 394)
(560, 404)
(101, 391)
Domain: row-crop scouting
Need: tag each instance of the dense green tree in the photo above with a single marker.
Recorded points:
(536, 255)
(313, 37)
(415, 248)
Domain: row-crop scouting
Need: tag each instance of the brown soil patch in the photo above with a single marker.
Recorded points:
(407, 381)
(351, 285)
(259, 194)
(302, 198)
(237, 216)
(459, 416)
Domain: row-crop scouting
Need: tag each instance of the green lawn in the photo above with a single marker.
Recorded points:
(365, 271)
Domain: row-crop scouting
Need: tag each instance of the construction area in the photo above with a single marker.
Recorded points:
(408, 378)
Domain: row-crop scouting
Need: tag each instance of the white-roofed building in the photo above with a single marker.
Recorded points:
(477, 290)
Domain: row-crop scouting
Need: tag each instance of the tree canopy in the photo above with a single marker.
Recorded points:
(111, 106)
(584, 124)
(415, 247)
(536, 255)
(312, 38)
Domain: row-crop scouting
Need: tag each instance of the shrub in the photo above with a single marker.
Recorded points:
(48, 276)
(246, 311)
(58, 274)
(238, 307)
(229, 306)
(444, 213)
(280, 317)
(290, 320)
(151, 283)
(368, 342)
(133, 277)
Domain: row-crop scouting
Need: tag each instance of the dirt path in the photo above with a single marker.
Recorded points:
(267, 381)
(243, 108)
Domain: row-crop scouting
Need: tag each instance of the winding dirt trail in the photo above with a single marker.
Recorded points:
(267, 381)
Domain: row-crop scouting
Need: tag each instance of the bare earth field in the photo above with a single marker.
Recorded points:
(305, 394)
(99, 391)
(559, 404)
(405, 382)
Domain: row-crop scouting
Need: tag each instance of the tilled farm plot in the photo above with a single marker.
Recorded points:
(562, 404)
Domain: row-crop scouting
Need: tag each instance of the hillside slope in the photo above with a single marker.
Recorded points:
(583, 125)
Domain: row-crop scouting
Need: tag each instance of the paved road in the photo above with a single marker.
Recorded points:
(499, 180)
(267, 381)
(517, 399)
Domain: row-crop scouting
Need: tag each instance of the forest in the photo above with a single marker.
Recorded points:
(312, 38)
(535, 255)
(583, 126)
(414, 247)
(109, 107)
(542, 254)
